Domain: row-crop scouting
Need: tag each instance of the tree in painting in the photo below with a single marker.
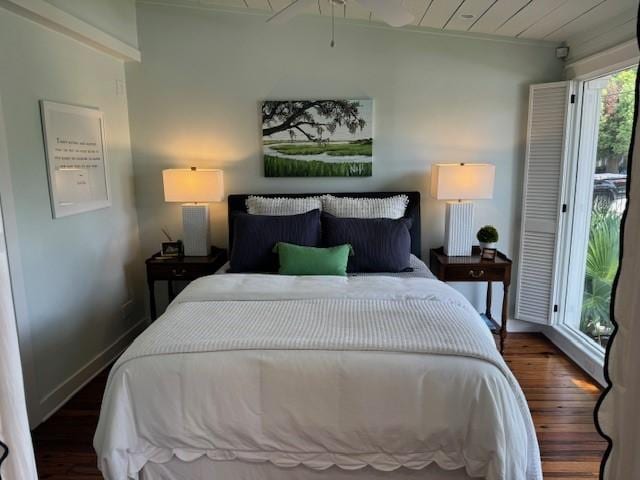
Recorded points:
(296, 117)
(317, 138)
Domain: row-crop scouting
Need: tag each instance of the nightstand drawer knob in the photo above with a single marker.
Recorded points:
(180, 273)
(474, 274)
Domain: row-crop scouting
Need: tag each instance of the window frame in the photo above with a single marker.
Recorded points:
(578, 192)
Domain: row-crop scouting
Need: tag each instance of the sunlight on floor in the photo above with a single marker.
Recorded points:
(586, 386)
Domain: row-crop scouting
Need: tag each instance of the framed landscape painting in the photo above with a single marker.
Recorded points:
(317, 138)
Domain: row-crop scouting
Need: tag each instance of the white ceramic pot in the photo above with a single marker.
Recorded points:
(484, 245)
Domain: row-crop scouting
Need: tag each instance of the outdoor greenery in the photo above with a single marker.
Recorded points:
(616, 122)
(488, 234)
(614, 139)
(602, 264)
(334, 150)
(284, 167)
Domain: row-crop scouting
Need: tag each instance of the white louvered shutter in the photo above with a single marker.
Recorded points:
(550, 114)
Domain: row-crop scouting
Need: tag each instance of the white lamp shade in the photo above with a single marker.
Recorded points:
(196, 185)
(462, 181)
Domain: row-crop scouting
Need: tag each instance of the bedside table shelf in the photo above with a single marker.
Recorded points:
(475, 269)
(172, 269)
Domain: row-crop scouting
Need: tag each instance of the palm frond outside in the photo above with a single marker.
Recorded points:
(601, 267)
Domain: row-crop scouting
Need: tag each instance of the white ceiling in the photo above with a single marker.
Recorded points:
(553, 20)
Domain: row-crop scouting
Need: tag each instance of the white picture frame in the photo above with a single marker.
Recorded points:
(74, 143)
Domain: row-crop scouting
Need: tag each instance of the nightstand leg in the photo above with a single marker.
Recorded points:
(489, 300)
(170, 291)
(505, 314)
(152, 300)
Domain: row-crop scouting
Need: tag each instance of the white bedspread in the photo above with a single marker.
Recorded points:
(321, 371)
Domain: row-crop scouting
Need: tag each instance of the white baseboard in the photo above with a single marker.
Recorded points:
(520, 326)
(586, 358)
(52, 401)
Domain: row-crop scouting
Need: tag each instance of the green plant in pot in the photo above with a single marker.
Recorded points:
(488, 236)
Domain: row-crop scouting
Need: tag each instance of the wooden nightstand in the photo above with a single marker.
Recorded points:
(474, 269)
(180, 269)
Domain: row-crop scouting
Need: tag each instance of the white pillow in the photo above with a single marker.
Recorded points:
(345, 207)
(282, 206)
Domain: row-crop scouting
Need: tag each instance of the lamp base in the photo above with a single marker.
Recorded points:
(458, 229)
(195, 230)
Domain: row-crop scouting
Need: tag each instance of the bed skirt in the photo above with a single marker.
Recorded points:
(207, 469)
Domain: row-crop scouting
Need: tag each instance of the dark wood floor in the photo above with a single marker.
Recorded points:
(560, 396)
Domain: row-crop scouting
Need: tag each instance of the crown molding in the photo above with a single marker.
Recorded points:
(52, 17)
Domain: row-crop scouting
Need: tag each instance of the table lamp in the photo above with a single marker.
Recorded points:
(457, 182)
(194, 188)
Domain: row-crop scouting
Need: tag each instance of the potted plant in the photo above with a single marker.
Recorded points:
(488, 236)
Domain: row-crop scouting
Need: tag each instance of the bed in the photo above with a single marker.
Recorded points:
(259, 376)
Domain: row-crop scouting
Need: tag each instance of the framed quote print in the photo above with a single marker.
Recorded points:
(75, 151)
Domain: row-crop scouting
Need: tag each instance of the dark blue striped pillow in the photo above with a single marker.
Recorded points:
(254, 237)
(379, 244)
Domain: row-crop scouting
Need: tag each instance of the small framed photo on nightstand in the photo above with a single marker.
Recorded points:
(171, 249)
(489, 254)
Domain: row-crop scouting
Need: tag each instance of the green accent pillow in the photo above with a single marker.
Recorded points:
(298, 260)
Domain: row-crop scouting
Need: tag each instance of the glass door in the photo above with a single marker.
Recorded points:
(600, 197)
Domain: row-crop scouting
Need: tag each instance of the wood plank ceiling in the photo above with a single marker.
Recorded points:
(553, 20)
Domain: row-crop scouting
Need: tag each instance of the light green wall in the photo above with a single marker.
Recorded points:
(116, 17)
(80, 270)
(195, 101)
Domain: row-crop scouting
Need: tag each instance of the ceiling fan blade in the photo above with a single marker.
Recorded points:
(392, 12)
(295, 8)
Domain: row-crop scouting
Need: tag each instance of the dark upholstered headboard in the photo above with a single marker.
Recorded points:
(237, 204)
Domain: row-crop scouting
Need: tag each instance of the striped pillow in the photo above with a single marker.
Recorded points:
(279, 206)
(345, 207)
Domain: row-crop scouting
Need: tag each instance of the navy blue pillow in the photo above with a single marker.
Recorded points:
(254, 237)
(379, 244)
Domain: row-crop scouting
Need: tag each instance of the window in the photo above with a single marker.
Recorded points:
(599, 199)
(578, 138)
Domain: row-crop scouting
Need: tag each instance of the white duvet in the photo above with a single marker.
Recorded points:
(317, 371)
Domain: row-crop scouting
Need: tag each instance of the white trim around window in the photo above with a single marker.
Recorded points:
(562, 330)
(577, 346)
(602, 63)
